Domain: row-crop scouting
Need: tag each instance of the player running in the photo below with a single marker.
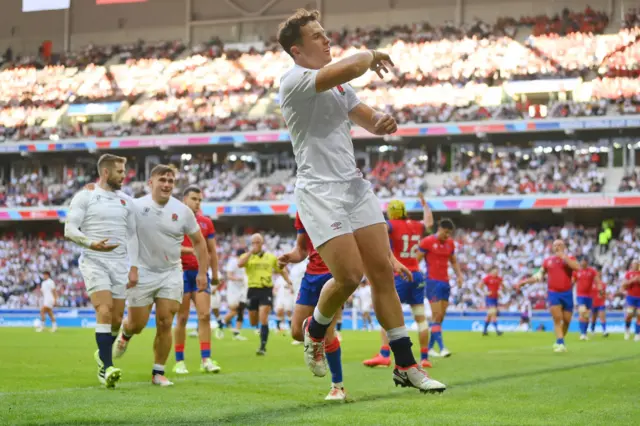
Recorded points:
(316, 276)
(236, 294)
(599, 309)
(559, 269)
(260, 267)
(192, 198)
(102, 219)
(156, 275)
(631, 284)
(493, 283)
(586, 279)
(49, 300)
(337, 206)
(438, 250)
(404, 236)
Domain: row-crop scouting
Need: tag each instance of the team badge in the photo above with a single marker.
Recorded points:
(123, 202)
(341, 89)
(174, 217)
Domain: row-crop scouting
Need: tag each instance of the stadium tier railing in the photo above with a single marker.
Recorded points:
(272, 136)
(465, 204)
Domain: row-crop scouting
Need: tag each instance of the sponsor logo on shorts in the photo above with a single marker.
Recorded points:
(336, 225)
(340, 89)
(174, 217)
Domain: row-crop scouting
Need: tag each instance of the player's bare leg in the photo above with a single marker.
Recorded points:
(136, 321)
(366, 320)
(165, 311)
(116, 318)
(102, 302)
(263, 316)
(202, 301)
(43, 320)
(280, 317)
(557, 313)
(180, 334)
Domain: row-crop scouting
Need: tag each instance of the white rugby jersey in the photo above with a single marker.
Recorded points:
(235, 275)
(48, 286)
(97, 215)
(161, 230)
(319, 126)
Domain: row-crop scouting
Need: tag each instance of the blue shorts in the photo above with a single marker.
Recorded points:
(633, 302)
(310, 289)
(411, 292)
(491, 302)
(597, 309)
(438, 290)
(585, 301)
(564, 299)
(190, 285)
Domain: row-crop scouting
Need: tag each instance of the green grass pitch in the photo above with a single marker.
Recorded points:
(515, 379)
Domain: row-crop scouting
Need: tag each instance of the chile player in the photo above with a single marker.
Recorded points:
(493, 283)
(559, 269)
(438, 250)
(599, 310)
(404, 237)
(586, 279)
(315, 277)
(632, 285)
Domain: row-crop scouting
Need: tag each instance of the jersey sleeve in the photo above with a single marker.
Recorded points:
(352, 97)
(75, 217)
(424, 244)
(211, 230)
(300, 83)
(299, 226)
(190, 226)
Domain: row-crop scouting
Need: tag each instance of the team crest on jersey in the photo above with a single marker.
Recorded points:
(123, 202)
(174, 217)
(340, 89)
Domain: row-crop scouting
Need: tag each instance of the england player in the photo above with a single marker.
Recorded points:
(260, 267)
(192, 198)
(156, 274)
(559, 269)
(316, 276)
(284, 303)
(586, 279)
(236, 282)
(492, 283)
(631, 284)
(438, 250)
(102, 220)
(599, 310)
(364, 302)
(404, 236)
(337, 206)
(49, 300)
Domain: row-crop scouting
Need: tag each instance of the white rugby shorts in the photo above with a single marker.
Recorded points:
(284, 301)
(100, 275)
(156, 285)
(216, 300)
(236, 295)
(47, 302)
(329, 210)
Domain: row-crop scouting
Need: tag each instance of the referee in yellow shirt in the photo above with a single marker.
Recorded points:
(260, 267)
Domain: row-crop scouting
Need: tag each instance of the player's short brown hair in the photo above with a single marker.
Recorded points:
(190, 189)
(163, 169)
(289, 31)
(109, 161)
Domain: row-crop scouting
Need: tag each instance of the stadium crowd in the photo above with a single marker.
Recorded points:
(213, 88)
(517, 253)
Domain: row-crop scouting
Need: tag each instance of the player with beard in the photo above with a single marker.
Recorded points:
(102, 220)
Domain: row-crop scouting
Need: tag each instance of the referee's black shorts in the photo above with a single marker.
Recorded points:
(262, 296)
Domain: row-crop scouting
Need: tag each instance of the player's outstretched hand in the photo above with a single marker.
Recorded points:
(460, 282)
(385, 125)
(381, 63)
(103, 246)
(403, 271)
(133, 277)
(201, 281)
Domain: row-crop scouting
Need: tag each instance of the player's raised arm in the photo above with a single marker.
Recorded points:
(571, 262)
(242, 260)
(427, 214)
(351, 67)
